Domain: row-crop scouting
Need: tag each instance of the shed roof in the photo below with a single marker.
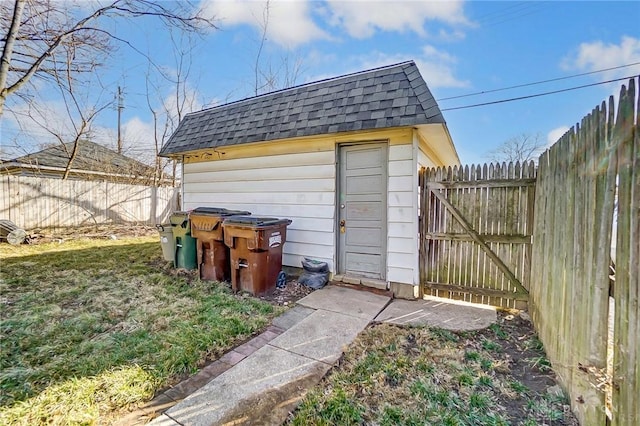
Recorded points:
(391, 96)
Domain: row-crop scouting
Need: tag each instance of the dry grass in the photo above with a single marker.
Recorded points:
(423, 376)
(93, 327)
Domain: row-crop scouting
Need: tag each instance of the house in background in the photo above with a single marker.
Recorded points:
(340, 157)
(103, 188)
(92, 162)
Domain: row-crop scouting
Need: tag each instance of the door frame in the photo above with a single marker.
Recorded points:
(339, 261)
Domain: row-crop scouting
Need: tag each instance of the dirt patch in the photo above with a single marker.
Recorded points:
(48, 235)
(421, 375)
(288, 295)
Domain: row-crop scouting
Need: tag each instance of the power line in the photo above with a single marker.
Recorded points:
(538, 82)
(517, 15)
(500, 12)
(536, 95)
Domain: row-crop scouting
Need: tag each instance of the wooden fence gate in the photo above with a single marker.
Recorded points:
(476, 225)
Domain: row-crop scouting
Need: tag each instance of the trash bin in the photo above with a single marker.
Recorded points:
(212, 255)
(167, 242)
(11, 233)
(185, 256)
(255, 245)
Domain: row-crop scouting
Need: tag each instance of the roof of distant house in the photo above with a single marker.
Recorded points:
(386, 97)
(91, 158)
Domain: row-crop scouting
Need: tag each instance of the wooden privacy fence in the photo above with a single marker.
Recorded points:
(476, 224)
(570, 286)
(37, 202)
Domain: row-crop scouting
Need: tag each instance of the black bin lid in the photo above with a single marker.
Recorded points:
(180, 214)
(255, 221)
(218, 211)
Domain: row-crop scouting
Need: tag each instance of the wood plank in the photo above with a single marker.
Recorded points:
(626, 379)
(494, 238)
(316, 158)
(401, 168)
(281, 185)
(486, 183)
(271, 173)
(476, 290)
(326, 198)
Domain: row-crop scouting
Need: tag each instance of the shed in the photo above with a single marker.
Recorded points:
(340, 157)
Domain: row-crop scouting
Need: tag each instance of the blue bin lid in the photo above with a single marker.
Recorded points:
(218, 211)
(255, 221)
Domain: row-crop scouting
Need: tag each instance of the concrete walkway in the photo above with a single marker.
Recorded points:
(267, 384)
(261, 381)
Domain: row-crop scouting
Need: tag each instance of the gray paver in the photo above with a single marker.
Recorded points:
(164, 420)
(292, 317)
(450, 315)
(247, 386)
(361, 304)
(321, 336)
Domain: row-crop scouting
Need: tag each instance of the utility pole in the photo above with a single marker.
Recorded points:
(120, 108)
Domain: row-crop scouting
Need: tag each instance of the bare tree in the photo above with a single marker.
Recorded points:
(168, 111)
(81, 104)
(39, 28)
(273, 74)
(63, 45)
(522, 148)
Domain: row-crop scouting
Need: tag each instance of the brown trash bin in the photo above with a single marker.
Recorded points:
(212, 255)
(256, 252)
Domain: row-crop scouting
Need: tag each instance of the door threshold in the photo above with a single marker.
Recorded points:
(365, 282)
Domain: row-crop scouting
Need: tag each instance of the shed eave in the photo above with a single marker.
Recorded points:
(338, 136)
(437, 139)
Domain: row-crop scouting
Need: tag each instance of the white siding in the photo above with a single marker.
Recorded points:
(402, 216)
(424, 160)
(300, 187)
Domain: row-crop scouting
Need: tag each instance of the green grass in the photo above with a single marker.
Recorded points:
(92, 327)
(425, 376)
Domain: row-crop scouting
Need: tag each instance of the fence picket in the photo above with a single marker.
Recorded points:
(626, 372)
(569, 291)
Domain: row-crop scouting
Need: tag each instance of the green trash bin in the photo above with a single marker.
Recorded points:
(185, 256)
(167, 242)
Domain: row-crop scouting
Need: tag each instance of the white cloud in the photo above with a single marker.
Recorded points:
(554, 135)
(362, 19)
(436, 66)
(139, 136)
(289, 23)
(598, 55)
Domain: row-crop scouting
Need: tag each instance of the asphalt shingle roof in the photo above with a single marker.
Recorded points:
(380, 98)
(90, 157)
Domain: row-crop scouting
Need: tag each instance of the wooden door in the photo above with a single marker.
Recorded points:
(362, 210)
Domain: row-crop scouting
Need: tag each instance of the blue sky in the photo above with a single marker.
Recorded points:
(460, 48)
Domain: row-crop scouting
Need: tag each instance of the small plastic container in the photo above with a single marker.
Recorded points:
(167, 242)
